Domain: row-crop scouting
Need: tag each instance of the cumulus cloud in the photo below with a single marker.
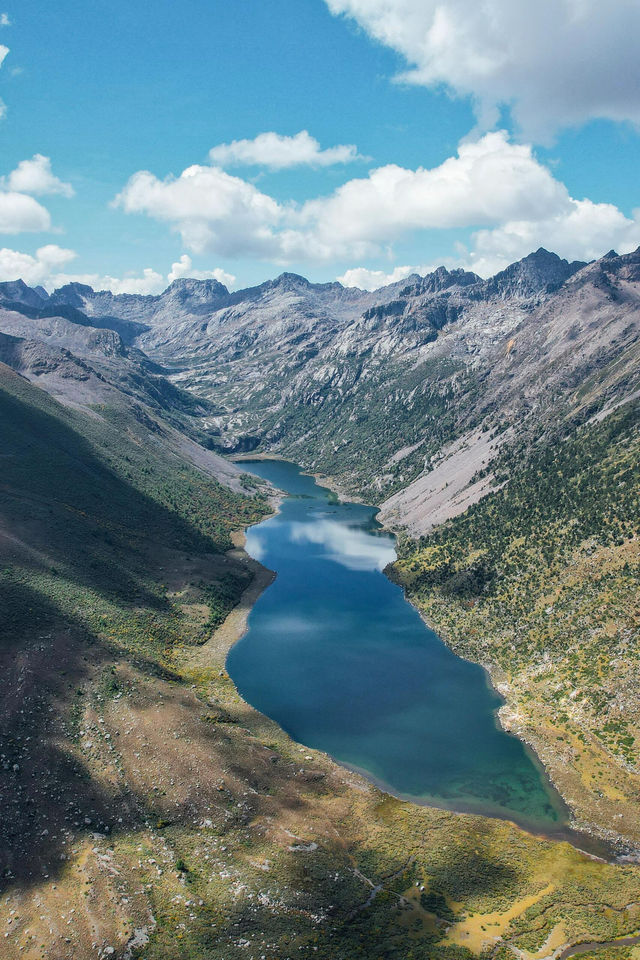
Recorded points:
(35, 176)
(492, 186)
(49, 267)
(486, 183)
(489, 181)
(20, 213)
(280, 153)
(367, 279)
(33, 269)
(554, 62)
(184, 268)
(3, 52)
(211, 209)
(5, 20)
(584, 231)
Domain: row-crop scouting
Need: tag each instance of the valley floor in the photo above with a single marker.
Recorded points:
(190, 826)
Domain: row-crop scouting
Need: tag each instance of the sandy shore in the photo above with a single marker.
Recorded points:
(214, 651)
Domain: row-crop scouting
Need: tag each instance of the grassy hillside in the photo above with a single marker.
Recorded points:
(539, 581)
(86, 500)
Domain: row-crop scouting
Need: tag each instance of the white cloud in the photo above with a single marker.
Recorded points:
(184, 268)
(3, 52)
(489, 181)
(33, 269)
(211, 209)
(150, 282)
(20, 213)
(554, 62)
(47, 267)
(584, 231)
(5, 20)
(492, 186)
(35, 176)
(374, 279)
(280, 153)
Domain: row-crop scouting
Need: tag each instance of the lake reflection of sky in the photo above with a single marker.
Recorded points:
(351, 547)
(336, 655)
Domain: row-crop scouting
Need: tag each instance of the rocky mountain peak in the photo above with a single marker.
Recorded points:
(73, 294)
(540, 272)
(199, 291)
(16, 291)
(288, 281)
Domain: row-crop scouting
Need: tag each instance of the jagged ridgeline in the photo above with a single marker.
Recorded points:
(378, 388)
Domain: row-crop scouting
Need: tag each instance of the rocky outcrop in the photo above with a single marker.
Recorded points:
(16, 291)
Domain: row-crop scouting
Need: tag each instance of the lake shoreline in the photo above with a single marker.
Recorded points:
(237, 630)
(508, 719)
(328, 483)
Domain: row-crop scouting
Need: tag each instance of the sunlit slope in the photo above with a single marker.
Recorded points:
(540, 581)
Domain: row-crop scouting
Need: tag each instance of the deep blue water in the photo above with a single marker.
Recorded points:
(337, 656)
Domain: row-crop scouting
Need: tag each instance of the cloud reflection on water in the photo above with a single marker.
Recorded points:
(255, 546)
(351, 547)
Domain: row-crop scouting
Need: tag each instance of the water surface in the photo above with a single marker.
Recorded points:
(337, 656)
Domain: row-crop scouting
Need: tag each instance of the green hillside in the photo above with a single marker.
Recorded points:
(87, 505)
(539, 582)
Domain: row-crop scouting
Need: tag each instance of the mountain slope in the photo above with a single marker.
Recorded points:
(84, 366)
(539, 582)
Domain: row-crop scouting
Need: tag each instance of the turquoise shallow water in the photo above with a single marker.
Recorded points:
(337, 656)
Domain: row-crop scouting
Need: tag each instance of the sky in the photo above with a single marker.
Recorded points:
(358, 140)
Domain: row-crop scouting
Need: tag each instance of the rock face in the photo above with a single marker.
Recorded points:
(388, 391)
(16, 291)
(540, 272)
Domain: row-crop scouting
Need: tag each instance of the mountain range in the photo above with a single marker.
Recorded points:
(409, 396)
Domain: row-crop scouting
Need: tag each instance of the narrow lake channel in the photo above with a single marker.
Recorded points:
(337, 656)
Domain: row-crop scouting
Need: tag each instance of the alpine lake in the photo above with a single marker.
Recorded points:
(336, 655)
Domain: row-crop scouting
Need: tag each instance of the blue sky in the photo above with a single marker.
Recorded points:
(471, 140)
